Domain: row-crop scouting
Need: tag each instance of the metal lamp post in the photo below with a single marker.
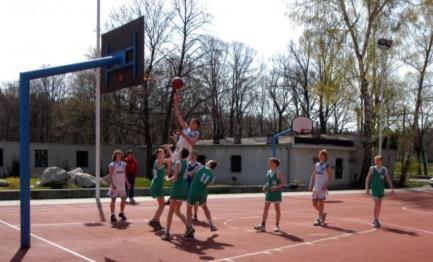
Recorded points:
(384, 45)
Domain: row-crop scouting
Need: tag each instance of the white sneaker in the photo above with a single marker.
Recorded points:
(277, 229)
(260, 228)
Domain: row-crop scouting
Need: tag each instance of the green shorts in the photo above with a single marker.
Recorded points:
(156, 191)
(274, 197)
(197, 199)
(377, 193)
(178, 193)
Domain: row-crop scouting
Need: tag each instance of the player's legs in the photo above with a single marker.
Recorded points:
(170, 214)
(206, 212)
(316, 204)
(265, 212)
(377, 207)
(321, 204)
(278, 212)
(178, 213)
(195, 210)
(189, 213)
(113, 205)
(161, 205)
(122, 204)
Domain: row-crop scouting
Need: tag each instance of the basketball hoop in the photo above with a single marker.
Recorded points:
(302, 125)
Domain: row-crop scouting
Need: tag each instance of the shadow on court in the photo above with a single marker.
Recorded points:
(19, 255)
(121, 225)
(107, 259)
(339, 229)
(287, 236)
(197, 246)
(399, 231)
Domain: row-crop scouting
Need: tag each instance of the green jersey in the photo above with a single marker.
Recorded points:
(273, 180)
(378, 181)
(198, 190)
(157, 184)
(179, 189)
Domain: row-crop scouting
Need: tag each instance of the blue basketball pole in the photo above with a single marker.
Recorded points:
(24, 93)
(275, 139)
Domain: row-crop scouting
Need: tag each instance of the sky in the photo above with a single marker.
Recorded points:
(56, 32)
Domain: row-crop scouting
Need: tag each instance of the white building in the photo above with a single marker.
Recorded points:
(240, 164)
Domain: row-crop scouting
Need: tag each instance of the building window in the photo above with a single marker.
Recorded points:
(82, 159)
(236, 163)
(1, 156)
(338, 168)
(201, 159)
(41, 158)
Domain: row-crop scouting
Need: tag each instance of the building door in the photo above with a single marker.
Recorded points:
(338, 168)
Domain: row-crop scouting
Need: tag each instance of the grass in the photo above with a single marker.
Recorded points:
(412, 172)
(14, 183)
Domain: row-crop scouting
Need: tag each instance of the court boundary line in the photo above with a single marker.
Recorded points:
(410, 210)
(279, 249)
(67, 250)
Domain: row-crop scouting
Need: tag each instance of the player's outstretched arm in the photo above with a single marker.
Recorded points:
(175, 173)
(389, 180)
(312, 180)
(367, 182)
(191, 141)
(179, 117)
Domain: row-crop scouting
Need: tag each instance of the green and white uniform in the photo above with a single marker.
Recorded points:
(179, 189)
(378, 181)
(157, 184)
(198, 190)
(272, 180)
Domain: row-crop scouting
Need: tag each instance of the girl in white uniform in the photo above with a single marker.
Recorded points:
(321, 177)
(117, 187)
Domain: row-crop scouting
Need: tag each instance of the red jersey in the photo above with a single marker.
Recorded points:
(131, 165)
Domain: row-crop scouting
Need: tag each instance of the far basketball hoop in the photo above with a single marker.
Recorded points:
(302, 125)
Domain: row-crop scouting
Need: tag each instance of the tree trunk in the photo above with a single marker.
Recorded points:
(366, 162)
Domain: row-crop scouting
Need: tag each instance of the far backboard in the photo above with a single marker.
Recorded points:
(302, 125)
(127, 41)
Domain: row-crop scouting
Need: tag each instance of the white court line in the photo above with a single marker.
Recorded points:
(279, 249)
(416, 211)
(391, 224)
(51, 243)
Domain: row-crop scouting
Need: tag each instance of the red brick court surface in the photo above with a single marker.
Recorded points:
(78, 230)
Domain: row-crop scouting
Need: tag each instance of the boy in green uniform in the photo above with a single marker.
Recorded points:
(275, 181)
(377, 175)
(161, 170)
(198, 194)
(178, 191)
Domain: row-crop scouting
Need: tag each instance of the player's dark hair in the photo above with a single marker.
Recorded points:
(129, 152)
(197, 121)
(212, 164)
(275, 160)
(378, 157)
(184, 153)
(117, 151)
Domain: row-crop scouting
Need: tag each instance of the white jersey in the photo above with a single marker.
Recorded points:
(118, 179)
(182, 143)
(321, 179)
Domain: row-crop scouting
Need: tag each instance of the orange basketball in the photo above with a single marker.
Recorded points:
(177, 83)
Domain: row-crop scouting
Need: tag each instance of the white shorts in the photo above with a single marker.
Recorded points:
(319, 195)
(117, 193)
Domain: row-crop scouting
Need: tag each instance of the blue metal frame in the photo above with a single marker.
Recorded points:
(275, 139)
(123, 54)
(24, 93)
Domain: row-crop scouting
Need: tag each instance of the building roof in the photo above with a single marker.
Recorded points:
(334, 140)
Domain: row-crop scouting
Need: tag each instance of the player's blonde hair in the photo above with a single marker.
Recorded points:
(378, 157)
(324, 152)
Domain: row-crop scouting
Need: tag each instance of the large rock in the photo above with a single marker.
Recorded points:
(72, 174)
(4, 183)
(85, 180)
(54, 177)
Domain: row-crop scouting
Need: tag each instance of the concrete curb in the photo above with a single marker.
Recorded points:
(90, 193)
